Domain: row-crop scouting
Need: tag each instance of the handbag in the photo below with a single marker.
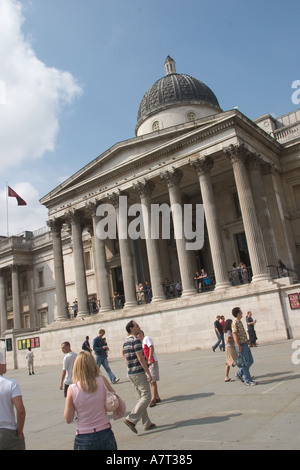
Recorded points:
(241, 361)
(111, 401)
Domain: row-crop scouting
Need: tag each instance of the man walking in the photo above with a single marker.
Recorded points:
(140, 376)
(220, 335)
(67, 370)
(100, 348)
(11, 427)
(241, 342)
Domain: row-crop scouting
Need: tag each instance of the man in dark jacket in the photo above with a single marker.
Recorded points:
(220, 335)
(100, 348)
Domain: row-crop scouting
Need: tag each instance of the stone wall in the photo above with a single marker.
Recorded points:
(182, 324)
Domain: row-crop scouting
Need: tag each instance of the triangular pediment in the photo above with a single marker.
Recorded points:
(138, 155)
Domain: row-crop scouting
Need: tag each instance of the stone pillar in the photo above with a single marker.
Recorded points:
(125, 253)
(16, 296)
(101, 268)
(173, 178)
(144, 189)
(32, 307)
(59, 273)
(256, 166)
(203, 167)
(3, 317)
(238, 155)
(284, 245)
(75, 219)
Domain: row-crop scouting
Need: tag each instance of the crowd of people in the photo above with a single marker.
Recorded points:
(89, 396)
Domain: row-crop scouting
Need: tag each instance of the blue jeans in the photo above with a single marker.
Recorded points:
(220, 340)
(245, 371)
(101, 440)
(102, 360)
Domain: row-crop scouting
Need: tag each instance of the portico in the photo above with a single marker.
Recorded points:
(189, 172)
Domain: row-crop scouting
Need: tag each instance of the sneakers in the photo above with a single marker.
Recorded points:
(238, 376)
(116, 381)
(251, 383)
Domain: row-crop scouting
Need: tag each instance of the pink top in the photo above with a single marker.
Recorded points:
(90, 408)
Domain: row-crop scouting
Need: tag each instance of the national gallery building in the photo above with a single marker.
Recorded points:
(197, 214)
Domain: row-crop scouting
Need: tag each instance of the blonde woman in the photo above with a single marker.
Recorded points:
(86, 396)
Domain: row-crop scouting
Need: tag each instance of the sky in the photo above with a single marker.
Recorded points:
(73, 73)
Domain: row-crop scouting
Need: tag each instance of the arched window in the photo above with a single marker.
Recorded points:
(155, 126)
(191, 116)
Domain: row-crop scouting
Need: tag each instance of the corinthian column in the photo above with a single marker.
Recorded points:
(257, 166)
(125, 253)
(203, 167)
(144, 189)
(101, 267)
(59, 273)
(16, 296)
(238, 155)
(173, 178)
(3, 319)
(75, 219)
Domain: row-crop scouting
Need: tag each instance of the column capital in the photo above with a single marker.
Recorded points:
(55, 224)
(202, 165)
(74, 216)
(14, 267)
(172, 177)
(144, 188)
(114, 197)
(268, 168)
(91, 207)
(238, 152)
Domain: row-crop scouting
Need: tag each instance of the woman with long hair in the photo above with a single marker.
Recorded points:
(86, 396)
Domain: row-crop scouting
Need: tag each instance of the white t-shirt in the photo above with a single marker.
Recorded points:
(9, 389)
(148, 342)
(68, 364)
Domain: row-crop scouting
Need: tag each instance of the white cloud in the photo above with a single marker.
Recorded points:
(32, 94)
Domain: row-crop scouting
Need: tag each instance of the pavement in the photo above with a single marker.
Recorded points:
(198, 411)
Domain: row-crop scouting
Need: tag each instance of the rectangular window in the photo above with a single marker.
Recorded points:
(41, 278)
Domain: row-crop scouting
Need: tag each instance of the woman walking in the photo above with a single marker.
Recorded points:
(87, 396)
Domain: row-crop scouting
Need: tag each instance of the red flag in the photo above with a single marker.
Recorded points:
(12, 193)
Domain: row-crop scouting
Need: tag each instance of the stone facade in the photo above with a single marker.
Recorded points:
(246, 175)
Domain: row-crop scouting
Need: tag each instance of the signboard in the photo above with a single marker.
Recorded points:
(294, 301)
(29, 343)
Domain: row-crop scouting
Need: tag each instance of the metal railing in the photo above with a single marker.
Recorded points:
(277, 272)
(173, 290)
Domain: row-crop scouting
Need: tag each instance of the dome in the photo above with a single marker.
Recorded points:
(175, 89)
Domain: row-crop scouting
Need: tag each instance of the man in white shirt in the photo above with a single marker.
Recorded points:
(149, 353)
(68, 363)
(11, 426)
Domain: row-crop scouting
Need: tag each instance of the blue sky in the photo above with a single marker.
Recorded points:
(74, 72)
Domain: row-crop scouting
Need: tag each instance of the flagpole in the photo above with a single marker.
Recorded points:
(7, 209)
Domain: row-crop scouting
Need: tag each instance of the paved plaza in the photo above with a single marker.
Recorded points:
(198, 409)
